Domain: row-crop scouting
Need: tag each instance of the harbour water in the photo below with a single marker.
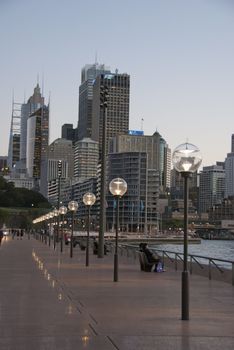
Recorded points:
(216, 249)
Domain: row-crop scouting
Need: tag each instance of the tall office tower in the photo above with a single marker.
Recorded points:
(14, 139)
(138, 207)
(59, 150)
(117, 107)
(86, 158)
(35, 102)
(68, 132)
(37, 142)
(229, 171)
(156, 148)
(177, 184)
(88, 74)
(212, 186)
(62, 149)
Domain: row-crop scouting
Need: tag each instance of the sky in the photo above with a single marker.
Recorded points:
(179, 55)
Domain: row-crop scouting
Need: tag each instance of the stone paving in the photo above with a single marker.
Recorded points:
(50, 301)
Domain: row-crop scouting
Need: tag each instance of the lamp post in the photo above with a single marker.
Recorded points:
(59, 174)
(186, 159)
(102, 223)
(62, 211)
(56, 214)
(51, 214)
(89, 199)
(118, 188)
(72, 206)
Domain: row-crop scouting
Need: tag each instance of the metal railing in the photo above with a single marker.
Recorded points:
(175, 257)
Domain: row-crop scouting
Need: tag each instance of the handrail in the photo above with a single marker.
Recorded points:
(193, 258)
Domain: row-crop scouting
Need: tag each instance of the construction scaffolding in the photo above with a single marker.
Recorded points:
(14, 139)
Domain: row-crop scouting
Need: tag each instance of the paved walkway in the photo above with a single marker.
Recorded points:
(50, 301)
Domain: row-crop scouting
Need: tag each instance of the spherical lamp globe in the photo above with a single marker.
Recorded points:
(186, 158)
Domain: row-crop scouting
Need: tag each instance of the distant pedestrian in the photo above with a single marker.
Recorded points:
(21, 233)
(1, 236)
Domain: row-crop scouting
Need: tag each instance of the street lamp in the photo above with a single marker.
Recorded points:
(72, 206)
(62, 211)
(89, 199)
(51, 214)
(56, 214)
(104, 94)
(118, 188)
(186, 159)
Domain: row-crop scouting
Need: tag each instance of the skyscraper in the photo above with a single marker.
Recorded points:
(27, 109)
(229, 171)
(117, 106)
(156, 148)
(88, 75)
(212, 186)
(14, 137)
(37, 142)
(68, 132)
(86, 158)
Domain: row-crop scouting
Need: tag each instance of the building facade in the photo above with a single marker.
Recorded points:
(117, 107)
(156, 148)
(132, 167)
(88, 75)
(37, 142)
(212, 186)
(68, 132)
(34, 103)
(229, 171)
(86, 158)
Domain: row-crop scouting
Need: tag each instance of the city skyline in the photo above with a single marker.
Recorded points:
(179, 56)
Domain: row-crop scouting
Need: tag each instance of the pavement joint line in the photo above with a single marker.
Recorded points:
(81, 303)
(91, 316)
(93, 329)
(78, 310)
(112, 342)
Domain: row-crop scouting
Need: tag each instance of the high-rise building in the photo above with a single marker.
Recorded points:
(117, 107)
(62, 149)
(68, 132)
(61, 152)
(138, 200)
(34, 103)
(212, 186)
(229, 171)
(88, 74)
(86, 158)
(156, 148)
(14, 137)
(37, 142)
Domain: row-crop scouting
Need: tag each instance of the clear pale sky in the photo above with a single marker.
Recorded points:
(179, 54)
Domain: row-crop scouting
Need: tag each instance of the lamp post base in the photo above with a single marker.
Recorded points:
(116, 267)
(185, 295)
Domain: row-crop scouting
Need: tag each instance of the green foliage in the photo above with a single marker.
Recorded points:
(20, 197)
(19, 206)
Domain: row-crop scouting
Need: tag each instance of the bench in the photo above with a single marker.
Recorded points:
(145, 265)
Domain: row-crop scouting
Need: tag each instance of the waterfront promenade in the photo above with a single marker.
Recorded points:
(50, 301)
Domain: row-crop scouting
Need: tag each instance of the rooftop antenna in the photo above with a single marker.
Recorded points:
(42, 84)
(142, 120)
(96, 61)
(37, 79)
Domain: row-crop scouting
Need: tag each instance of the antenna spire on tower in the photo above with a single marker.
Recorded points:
(142, 120)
